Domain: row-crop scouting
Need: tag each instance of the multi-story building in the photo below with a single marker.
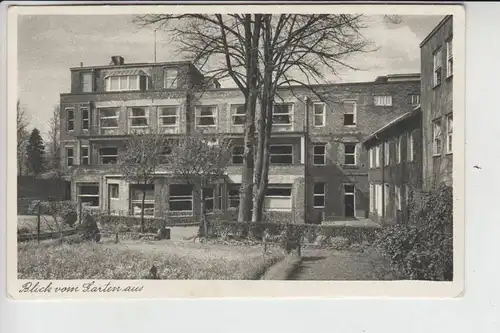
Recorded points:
(395, 166)
(318, 165)
(437, 104)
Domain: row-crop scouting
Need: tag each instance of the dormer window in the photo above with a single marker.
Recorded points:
(125, 80)
(170, 78)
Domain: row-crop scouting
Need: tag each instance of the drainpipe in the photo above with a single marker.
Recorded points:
(306, 160)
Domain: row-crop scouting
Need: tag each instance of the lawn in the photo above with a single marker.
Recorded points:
(131, 259)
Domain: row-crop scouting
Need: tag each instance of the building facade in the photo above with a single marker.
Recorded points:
(318, 165)
(437, 104)
(395, 167)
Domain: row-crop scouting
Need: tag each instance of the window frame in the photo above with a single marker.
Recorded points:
(377, 156)
(319, 194)
(415, 99)
(101, 156)
(397, 198)
(120, 80)
(98, 195)
(449, 134)
(233, 108)
(281, 145)
(437, 59)
(398, 149)
(318, 155)
(382, 100)
(198, 115)
(437, 124)
(354, 113)
(209, 198)
(116, 116)
(131, 117)
(322, 115)
(148, 202)
(159, 110)
(372, 198)
(233, 155)
(180, 198)
(354, 154)
(87, 109)
(72, 157)
(449, 57)
(289, 114)
(278, 186)
(70, 120)
(82, 83)
(233, 198)
(83, 157)
(387, 153)
(175, 79)
(410, 157)
(110, 192)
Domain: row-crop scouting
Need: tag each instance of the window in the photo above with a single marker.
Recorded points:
(415, 99)
(319, 114)
(386, 199)
(206, 115)
(370, 158)
(181, 198)
(238, 115)
(349, 154)
(108, 117)
(278, 198)
(398, 150)
(86, 82)
(319, 195)
(349, 113)
(122, 83)
(319, 154)
(449, 58)
(349, 200)
(168, 116)
(282, 114)
(170, 78)
(219, 194)
(372, 198)
(165, 152)
(233, 195)
(88, 194)
(437, 67)
(70, 119)
(377, 156)
(237, 155)
(85, 155)
(449, 133)
(397, 196)
(136, 193)
(387, 153)
(409, 152)
(138, 117)
(382, 100)
(108, 155)
(436, 137)
(113, 191)
(281, 154)
(69, 156)
(85, 118)
(378, 198)
(208, 195)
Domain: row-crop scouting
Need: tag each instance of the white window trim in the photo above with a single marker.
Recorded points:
(410, 152)
(233, 154)
(232, 109)
(387, 190)
(68, 119)
(398, 149)
(101, 156)
(350, 193)
(174, 82)
(279, 197)
(232, 197)
(109, 192)
(377, 156)
(382, 100)
(82, 156)
(91, 82)
(319, 195)
(355, 153)
(146, 202)
(437, 123)
(215, 115)
(415, 99)
(397, 196)
(355, 112)
(116, 116)
(449, 69)
(291, 112)
(372, 197)
(66, 148)
(131, 116)
(89, 195)
(120, 88)
(323, 114)
(282, 145)
(437, 58)
(83, 119)
(449, 134)
(314, 154)
(160, 116)
(208, 199)
(387, 153)
(370, 157)
(177, 198)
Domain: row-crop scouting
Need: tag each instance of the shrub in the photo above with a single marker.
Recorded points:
(422, 249)
(339, 243)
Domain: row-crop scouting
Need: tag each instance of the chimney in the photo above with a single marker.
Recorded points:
(117, 60)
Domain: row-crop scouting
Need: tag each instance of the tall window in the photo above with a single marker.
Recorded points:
(387, 188)
(114, 191)
(319, 154)
(136, 193)
(122, 83)
(138, 117)
(181, 198)
(278, 197)
(219, 196)
(415, 99)
(281, 154)
(282, 114)
(206, 116)
(170, 78)
(208, 196)
(398, 150)
(85, 155)
(69, 156)
(370, 157)
(349, 153)
(387, 153)
(377, 156)
(349, 200)
(383, 100)
(319, 195)
(449, 133)
(397, 197)
(108, 155)
(70, 119)
(449, 58)
(349, 113)
(378, 199)
(233, 195)
(438, 67)
(168, 116)
(372, 198)
(410, 148)
(86, 82)
(436, 137)
(89, 194)
(108, 117)
(237, 155)
(319, 114)
(85, 118)
(238, 115)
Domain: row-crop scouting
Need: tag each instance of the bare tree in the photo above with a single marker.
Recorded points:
(54, 139)
(200, 160)
(139, 161)
(22, 137)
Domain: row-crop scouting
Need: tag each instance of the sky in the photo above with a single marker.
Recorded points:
(49, 45)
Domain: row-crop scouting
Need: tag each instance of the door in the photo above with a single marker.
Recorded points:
(113, 195)
(349, 200)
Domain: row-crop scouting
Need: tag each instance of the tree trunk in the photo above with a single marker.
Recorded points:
(203, 225)
(142, 209)
(38, 224)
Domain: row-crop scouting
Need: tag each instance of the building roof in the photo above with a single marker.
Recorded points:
(393, 123)
(125, 72)
(136, 64)
(436, 28)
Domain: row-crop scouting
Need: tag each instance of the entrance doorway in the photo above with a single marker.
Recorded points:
(349, 200)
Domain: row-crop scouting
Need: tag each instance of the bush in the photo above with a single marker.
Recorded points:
(422, 249)
(339, 243)
(89, 230)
